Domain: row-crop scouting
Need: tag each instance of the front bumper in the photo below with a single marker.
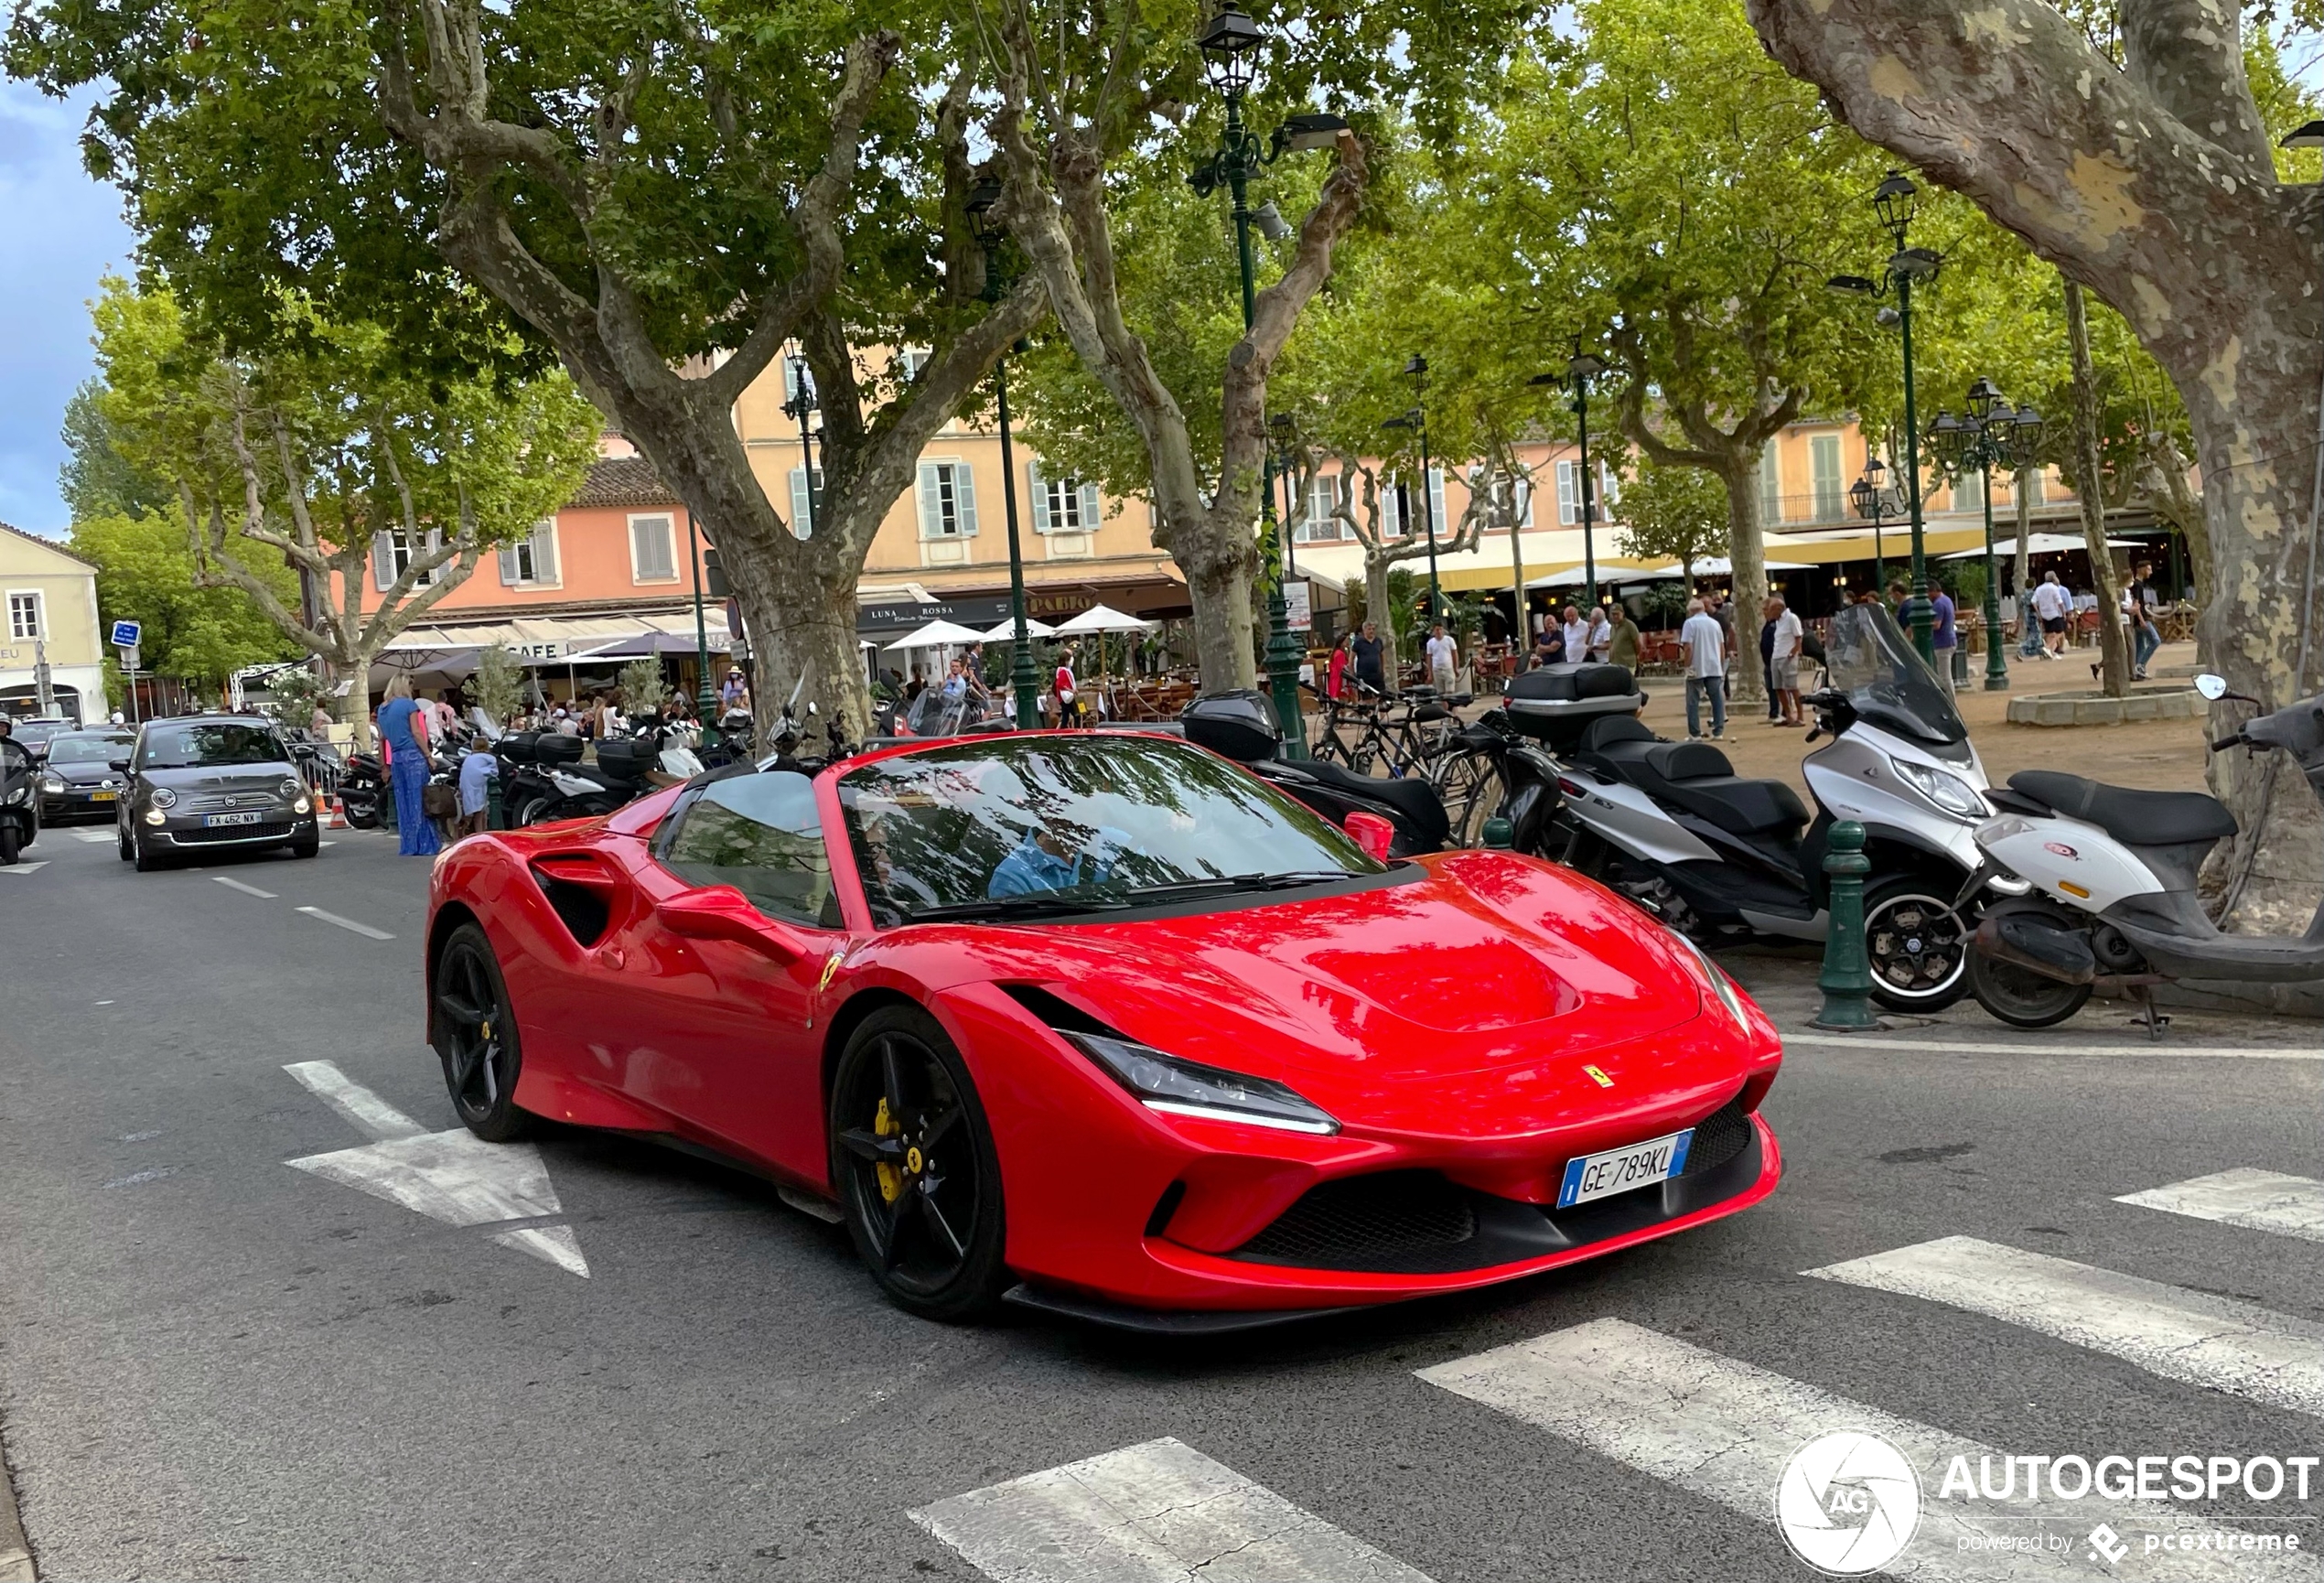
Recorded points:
(187, 833)
(77, 802)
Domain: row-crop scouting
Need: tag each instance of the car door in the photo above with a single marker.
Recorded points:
(730, 1031)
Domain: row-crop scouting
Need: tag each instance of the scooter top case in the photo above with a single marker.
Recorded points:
(1555, 703)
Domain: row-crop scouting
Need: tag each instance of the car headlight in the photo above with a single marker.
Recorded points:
(292, 786)
(1942, 787)
(53, 784)
(301, 806)
(1720, 983)
(154, 816)
(1175, 1087)
(18, 796)
(164, 797)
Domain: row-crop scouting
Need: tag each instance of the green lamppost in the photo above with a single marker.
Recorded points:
(1892, 201)
(1230, 42)
(1875, 501)
(1024, 680)
(1993, 435)
(1580, 369)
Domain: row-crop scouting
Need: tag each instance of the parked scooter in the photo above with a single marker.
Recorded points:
(363, 796)
(2110, 872)
(1241, 726)
(1724, 858)
(20, 800)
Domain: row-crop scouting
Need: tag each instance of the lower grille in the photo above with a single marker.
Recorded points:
(1719, 1137)
(230, 802)
(281, 831)
(1408, 1222)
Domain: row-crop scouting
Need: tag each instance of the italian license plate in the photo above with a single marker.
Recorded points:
(1618, 1170)
(102, 796)
(213, 821)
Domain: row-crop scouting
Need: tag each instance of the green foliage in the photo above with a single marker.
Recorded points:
(1965, 581)
(1679, 512)
(96, 479)
(643, 690)
(292, 696)
(1663, 605)
(499, 682)
(146, 574)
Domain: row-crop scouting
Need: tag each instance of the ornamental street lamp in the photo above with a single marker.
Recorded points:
(1875, 501)
(1992, 434)
(1024, 680)
(1580, 369)
(1230, 43)
(1892, 200)
(1416, 420)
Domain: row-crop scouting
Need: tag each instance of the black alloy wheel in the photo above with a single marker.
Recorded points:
(475, 1035)
(914, 1164)
(1917, 944)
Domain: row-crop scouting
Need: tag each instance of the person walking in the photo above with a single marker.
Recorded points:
(2146, 633)
(2052, 604)
(1444, 660)
(476, 774)
(1371, 654)
(1766, 663)
(1788, 636)
(1343, 655)
(1622, 644)
(403, 728)
(1067, 687)
(1943, 636)
(1705, 641)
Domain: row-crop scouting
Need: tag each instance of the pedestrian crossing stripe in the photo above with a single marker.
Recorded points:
(2259, 1200)
(1725, 1431)
(2216, 1344)
(1157, 1512)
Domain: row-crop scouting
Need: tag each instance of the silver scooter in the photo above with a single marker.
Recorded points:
(1726, 859)
(2112, 876)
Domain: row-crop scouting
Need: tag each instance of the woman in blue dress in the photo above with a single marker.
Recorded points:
(404, 729)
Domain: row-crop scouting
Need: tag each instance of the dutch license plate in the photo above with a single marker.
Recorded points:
(102, 796)
(1618, 1170)
(213, 821)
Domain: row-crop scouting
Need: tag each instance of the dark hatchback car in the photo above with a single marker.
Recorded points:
(77, 777)
(212, 782)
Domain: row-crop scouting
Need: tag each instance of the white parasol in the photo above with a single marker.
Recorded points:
(1007, 631)
(935, 635)
(1103, 619)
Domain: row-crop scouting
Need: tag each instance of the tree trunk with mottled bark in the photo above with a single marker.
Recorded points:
(2152, 184)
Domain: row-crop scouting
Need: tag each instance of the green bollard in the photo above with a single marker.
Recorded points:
(1500, 834)
(495, 816)
(1847, 979)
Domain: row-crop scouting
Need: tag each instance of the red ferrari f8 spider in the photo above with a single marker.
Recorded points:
(1102, 1024)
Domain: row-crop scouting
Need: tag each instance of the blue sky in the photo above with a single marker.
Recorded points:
(59, 232)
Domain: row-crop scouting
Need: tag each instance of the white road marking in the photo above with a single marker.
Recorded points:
(1725, 1430)
(347, 924)
(554, 1243)
(93, 836)
(454, 1177)
(25, 867)
(327, 844)
(245, 889)
(2159, 1047)
(2218, 1343)
(2259, 1201)
(140, 1178)
(371, 1113)
(1157, 1513)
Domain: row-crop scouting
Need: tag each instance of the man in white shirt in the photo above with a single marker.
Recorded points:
(1601, 635)
(2050, 603)
(1783, 660)
(1705, 641)
(1444, 660)
(1576, 635)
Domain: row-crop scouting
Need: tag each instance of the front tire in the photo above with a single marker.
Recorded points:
(122, 831)
(475, 1034)
(918, 1180)
(11, 842)
(1917, 945)
(307, 845)
(145, 857)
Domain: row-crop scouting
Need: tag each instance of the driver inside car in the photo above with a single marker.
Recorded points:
(1051, 856)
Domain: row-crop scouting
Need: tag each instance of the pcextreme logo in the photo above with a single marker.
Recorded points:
(1848, 1503)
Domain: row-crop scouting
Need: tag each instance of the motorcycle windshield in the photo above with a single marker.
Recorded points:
(1867, 657)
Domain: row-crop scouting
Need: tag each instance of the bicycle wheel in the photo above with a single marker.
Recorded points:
(1470, 787)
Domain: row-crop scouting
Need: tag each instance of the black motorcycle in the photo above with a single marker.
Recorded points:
(1241, 726)
(363, 796)
(20, 800)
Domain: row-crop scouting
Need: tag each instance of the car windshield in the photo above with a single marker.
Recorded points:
(1887, 682)
(218, 742)
(89, 750)
(1012, 826)
(33, 733)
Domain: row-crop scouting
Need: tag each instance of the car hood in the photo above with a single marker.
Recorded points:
(1487, 973)
(86, 772)
(220, 778)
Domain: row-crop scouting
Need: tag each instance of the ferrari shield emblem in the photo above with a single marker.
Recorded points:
(831, 966)
(1598, 1076)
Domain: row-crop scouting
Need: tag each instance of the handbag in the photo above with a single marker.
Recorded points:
(438, 801)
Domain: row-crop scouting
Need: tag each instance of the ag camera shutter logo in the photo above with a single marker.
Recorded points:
(1848, 1503)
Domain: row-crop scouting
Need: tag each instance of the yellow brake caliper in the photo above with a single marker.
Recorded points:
(891, 1181)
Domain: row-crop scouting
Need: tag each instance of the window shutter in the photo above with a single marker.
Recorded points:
(508, 578)
(383, 561)
(931, 511)
(1437, 499)
(1609, 487)
(1524, 492)
(1039, 491)
(802, 517)
(544, 553)
(964, 489)
(1569, 504)
(1089, 508)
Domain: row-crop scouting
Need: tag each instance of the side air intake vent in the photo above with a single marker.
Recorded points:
(579, 907)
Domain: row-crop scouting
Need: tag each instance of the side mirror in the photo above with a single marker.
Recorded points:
(723, 912)
(2211, 687)
(1372, 833)
(121, 764)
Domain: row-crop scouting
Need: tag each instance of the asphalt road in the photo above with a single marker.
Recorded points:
(215, 1365)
